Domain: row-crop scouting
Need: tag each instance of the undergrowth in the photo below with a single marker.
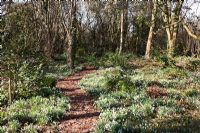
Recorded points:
(161, 98)
(35, 100)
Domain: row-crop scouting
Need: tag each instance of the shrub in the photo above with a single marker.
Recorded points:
(126, 103)
(93, 88)
(38, 109)
(189, 63)
(91, 60)
(111, 79)
(2, 129)
(113, 60)
(48, 81)
(195, 64)
(101, 84)
(114, 100)
(132, 119)
(29, 129)
(165, 111)
(13, 126)
(143, 118)
(168, 62)
(47, 92)
(112, 121)
(191, 92)
(2, 116)
(29, 79)
(3, 97)
(144, 100)
(172, 73)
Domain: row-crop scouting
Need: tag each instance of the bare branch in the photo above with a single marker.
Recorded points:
(190, 33)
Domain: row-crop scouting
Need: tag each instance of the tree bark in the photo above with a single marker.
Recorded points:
(171, 18)
(121, 31)
(150, 36)
(190, 33)
(122, 24)
(72, 35)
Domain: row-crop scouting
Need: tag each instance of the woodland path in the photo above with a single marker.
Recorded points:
(82, 116)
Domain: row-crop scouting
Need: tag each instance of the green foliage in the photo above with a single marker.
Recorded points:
(195, 64)
(91, 60)
(191, 92)
(188, 63)
(3, 97)
(113, 60)
(35, 100)
(144, 100)
(108, 60)
(19, 37)
(58, 70)
(165, 111)
(131, 119)
(172, 73)
(47, 92)
(2, 129)
(26, 80)
(156, 54)
(117, 118)
(168, 62)
(100, 83)
(29, 80)
(142, 118)
(114, 100)
(117, 80)
(2, 116)
(37, 110)
(61, 57)
(13, 126)
(111, 79)
(48, 81)
(29, 129)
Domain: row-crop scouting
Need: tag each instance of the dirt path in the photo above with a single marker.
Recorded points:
(82, 116)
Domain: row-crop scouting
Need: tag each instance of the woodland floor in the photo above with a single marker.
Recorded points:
(82, 116)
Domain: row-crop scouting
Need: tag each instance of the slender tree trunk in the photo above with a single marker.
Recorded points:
(122, 31)
(149, 41)
(9, 86)
(72, 35)
(126, 24)
(69, 51)
(9, 91)
(171, 45)
(171, 17)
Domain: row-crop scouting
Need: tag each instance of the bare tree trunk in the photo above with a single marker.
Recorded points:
(72, 35)
(9, 86)
(9, 91)
(69, 50)
(122, 31)
(123, 12)
(171, 46)
(171, 18)
(190, 32)
(149, 41)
